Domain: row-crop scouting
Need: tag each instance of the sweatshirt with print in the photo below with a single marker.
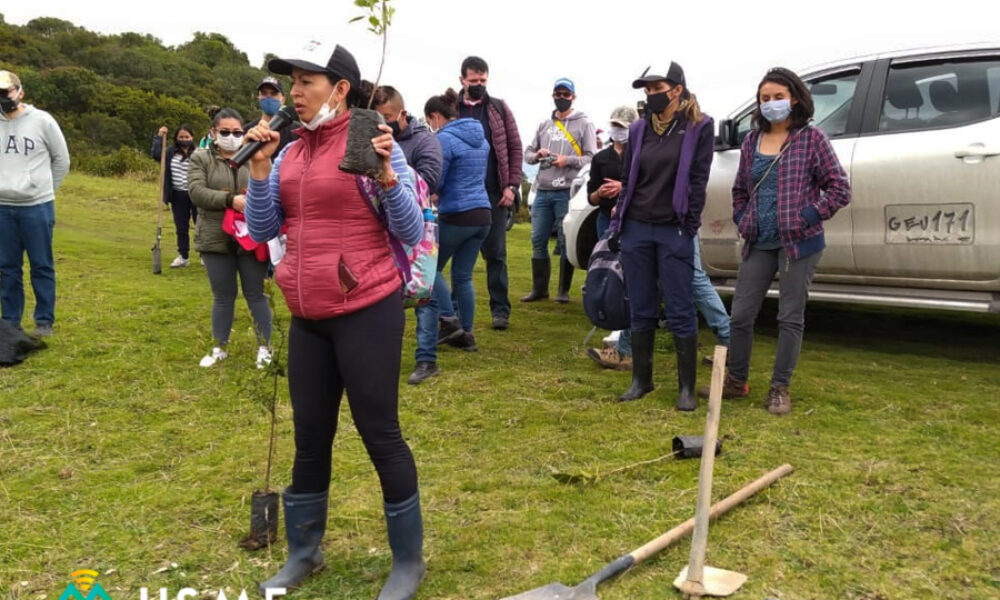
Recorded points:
(34, 158)
(550, 135)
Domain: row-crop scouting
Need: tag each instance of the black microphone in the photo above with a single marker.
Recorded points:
(279, 121)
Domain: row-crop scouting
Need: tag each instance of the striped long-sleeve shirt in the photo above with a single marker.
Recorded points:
(265, 216)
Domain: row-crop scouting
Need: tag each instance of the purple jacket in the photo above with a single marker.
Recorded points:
(812, 187)
(697, 151)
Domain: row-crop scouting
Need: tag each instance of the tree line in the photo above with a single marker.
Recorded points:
(110, 93)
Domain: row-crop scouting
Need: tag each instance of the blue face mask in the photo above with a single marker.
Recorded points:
(776, 111)
(269, 106)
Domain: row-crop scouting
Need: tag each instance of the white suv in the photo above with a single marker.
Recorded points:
(919, 134)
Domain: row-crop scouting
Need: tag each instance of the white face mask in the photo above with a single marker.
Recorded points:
(618, 134)
(229, 143)
(324, 114)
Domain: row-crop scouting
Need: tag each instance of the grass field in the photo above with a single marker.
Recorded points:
(119, 454)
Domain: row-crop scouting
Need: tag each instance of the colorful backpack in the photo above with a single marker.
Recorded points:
(417, 264)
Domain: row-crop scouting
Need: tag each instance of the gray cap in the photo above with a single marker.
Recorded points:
(623, 116)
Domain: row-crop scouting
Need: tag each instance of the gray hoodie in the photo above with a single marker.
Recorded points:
(34, 158)
(549, 135)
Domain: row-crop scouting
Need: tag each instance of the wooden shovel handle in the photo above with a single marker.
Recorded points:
(720, 508)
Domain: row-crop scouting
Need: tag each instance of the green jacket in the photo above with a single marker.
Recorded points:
(212, 183)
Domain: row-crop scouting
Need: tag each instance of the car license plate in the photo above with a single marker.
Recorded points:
(930, 224)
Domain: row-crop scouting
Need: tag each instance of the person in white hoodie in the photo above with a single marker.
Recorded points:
(34, 160)
(563, 145)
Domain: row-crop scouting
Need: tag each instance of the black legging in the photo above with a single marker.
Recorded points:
(359, 352)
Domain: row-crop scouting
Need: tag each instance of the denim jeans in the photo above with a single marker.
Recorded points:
(461, 245)
(27, 229)
(549, 209)
(707, 301)
(427, 324)
(603, 222)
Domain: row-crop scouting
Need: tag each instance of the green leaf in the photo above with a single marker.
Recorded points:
(374, 21)
(356, 19)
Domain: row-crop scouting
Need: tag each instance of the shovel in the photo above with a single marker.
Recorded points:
(588, 589)
(697, 580)
(157, 260)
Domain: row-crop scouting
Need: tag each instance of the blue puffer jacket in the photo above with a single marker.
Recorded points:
(465, 154)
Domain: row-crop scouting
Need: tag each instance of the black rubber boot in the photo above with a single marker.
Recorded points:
(565, 280)
(687, 370)
(541, 270)
(642, 365)
(406, 539)
(305, 523)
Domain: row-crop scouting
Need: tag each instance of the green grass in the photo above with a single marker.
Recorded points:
(118, 453)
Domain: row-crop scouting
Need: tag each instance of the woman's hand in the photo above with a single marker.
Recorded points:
(383, 147)
(260, 162)
(239, 203)
(162, 132)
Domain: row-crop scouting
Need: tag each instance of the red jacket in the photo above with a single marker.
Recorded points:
(337, 258)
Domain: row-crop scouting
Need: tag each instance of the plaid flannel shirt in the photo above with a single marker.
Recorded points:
(812, 187)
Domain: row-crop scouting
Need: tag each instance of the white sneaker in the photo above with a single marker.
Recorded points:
(612, 340)
(263, 357)
(211, 359)
(180, 261)
(202, 260)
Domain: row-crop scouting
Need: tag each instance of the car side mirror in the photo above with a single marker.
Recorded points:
(727, 135)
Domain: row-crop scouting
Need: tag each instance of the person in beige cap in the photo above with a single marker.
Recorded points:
(33, 162)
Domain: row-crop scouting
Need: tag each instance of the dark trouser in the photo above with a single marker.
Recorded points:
(222, 268)
(661, 254)
(27, 229)
(185, 212)
(494, 252)
(752, 282)
(359, 353)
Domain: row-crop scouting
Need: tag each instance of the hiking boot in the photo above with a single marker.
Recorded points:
(449, 328)
(610, 358)
(501, 322)
(642, 365)
(180, 261)
(42, 331)
(466, 341)
(423, 370)
(731, 389)
(211, 359)
(541, 270)
(565, 280)
(778, 401)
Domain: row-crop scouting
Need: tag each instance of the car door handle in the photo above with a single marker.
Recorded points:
(977, 152)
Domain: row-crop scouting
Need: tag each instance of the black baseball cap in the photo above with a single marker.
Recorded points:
(273, 82)
(674, 74)
(319, 57)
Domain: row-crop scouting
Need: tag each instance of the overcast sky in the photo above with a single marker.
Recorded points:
(724, 47)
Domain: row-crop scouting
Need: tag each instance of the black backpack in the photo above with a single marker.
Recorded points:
(605, 298)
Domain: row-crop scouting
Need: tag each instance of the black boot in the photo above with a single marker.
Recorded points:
(565, 280)
(305, 522)
(541, 270)
(406, 539)
(642, 365)
(687, 370)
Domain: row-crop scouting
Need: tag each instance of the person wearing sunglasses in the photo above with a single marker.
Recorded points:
(563, 144)
(215, 187)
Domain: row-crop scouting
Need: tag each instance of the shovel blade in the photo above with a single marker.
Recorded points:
(557, 591)
(715, 582)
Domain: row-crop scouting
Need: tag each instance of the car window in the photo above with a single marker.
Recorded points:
(940, 94)
(832, 99)
(832, 95)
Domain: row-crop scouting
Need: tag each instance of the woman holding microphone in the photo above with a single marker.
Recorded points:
(344, 292)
